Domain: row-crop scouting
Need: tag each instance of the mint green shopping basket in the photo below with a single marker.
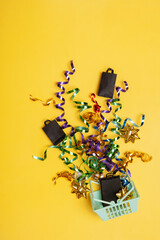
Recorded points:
(114, 210)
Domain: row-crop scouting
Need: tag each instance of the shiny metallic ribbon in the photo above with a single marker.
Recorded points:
(44, 103)
(129, 158)
(96, 106)
(117, 119)
(78, 187)
(64, 174)
(69, 162)
(114, 100)
(58, 94)
(98, 150)
(82, 106)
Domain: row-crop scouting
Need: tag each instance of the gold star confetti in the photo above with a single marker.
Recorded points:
(122, 192)
(129, 133)
(80, 188)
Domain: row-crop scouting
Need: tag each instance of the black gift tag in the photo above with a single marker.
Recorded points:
(109, 187)
(53, 131)
(107, 84)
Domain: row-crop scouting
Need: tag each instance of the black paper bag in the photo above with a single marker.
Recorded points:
(109, 187)
(53, 131)
(107, 84)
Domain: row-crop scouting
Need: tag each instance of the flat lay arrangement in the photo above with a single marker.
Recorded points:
(99, 155)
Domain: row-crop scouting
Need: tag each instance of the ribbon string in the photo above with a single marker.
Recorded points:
(44, 103)
(82, 106)
(58, 94)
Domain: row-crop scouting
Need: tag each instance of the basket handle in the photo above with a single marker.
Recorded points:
(97, 200)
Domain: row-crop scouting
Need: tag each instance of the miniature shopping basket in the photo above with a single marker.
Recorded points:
(113, 209)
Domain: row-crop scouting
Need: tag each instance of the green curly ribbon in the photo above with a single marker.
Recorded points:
(62, 147)
(69, 162)
(82, 106)
(117, 120)
(94, 163)
(113, 150)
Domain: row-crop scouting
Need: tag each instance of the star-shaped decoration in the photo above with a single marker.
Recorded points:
(129, 133)
(123, 192)
(79, 188)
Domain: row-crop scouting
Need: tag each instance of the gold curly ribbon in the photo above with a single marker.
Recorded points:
(91, 117)
(130, 155)
(47, 103)
(64, 174)
(79, 188)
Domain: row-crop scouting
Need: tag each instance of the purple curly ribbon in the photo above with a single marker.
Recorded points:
(58, 94)
(119, 89)
(109, 102)
(109, 165)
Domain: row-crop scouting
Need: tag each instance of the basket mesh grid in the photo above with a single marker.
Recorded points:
(119, 210)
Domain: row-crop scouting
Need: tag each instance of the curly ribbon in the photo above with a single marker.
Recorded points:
(91, 117)
(117, 120)
(119, 89)
(96, 106)
(115, 103)
(94, 164)
(44, 103)
(99, 154)
(58, 94)
(82, 106)
(128, 119)
(64, 174)
(79, 188)
(113, 100)
(129, 158)
(62, 147)
(93, 148)
(98, 159)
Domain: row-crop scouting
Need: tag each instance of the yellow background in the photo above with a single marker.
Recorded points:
(37, 41)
